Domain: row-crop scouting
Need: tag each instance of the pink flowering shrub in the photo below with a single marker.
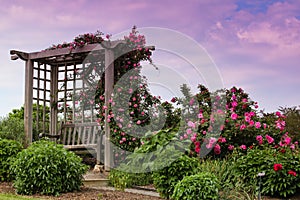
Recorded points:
(226, 120)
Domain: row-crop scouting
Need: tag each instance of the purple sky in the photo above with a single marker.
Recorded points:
(255, 44)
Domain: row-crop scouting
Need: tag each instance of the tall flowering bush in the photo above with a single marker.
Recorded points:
(225, 120)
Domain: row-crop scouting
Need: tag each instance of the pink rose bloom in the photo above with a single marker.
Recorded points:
(257, 125)
(189, 131)
(138, 122)
(247, 118)
(230, 147)
(287, 140)
(243, 147)
(193, 138)
(251, 123)
(234, 116)
(244, 100)
(197, 149)
(242, 127)
(217, 149)
(252, 114)
(234, 104)
(278, 114)
(200, 115)
(269, 139)
(265, 126)
(211, 143)
(191, 124)
(259, 138)
(204, 132)
(222, 139)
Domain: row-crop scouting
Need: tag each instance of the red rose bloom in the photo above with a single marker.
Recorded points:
(293, 173)
(277, 167)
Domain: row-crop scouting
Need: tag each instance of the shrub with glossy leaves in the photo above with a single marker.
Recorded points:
(280, 165)
(197, 187)
(166, 178)
(47, 168)
(8, 150)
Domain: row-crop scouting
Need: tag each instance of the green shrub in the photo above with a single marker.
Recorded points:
(279, 182)
(12, 129)
(8, 150)
(47, 168)
(122, 180)
(165, 179)
(197, 187)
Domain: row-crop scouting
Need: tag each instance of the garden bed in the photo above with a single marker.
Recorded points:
(86, 194)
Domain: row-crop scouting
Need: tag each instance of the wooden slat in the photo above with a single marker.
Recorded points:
(41, 89)
(42, 69)
(89, 135)
(64, 132)
(47, 100)
(94, 132)
(35, 78)
(81, 146)
(79, 138)
(74, 135)
(69, 135)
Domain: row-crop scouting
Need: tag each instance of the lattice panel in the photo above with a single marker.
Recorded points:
(41, 98)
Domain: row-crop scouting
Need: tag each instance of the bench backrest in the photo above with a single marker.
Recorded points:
(79, 134)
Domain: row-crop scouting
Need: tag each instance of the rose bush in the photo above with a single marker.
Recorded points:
(227, 119)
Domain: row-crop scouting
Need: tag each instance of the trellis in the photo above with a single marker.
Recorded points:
(51, 81)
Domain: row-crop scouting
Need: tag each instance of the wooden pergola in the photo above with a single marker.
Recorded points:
(51, 80)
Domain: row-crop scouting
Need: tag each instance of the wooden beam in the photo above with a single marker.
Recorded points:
(28, 100)
(67, 51)
(19, 54)
(59, 53)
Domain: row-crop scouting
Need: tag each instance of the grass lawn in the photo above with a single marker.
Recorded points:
(14, 197)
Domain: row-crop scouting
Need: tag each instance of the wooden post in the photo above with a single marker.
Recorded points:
(28, 100)
(53, 99)
(109, 82)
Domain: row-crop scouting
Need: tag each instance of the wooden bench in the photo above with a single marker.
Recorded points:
(80, 137)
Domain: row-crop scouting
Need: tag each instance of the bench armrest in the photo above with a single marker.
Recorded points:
(42, 135)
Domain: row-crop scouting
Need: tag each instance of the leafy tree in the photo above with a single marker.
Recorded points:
(12, 126)
(292, 121)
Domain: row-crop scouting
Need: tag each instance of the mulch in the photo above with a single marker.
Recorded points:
(85, 194)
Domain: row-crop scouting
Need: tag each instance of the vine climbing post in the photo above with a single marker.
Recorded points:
(109, 81)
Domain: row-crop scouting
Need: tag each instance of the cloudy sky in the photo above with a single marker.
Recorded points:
(254, 44)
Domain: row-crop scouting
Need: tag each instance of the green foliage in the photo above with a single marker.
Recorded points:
(166, 178)
(122, 180)
(274, 183)
(197, 187)
(47, 168)
(8, 150)
(12, 126)
(12, 129)
(292, 121)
